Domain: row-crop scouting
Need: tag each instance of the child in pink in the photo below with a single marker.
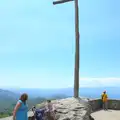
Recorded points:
(50, 108)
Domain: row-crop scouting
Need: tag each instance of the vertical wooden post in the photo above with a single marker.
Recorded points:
(76, 71)
(76, 68)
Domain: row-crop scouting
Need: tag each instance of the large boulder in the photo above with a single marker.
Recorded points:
(72, 109)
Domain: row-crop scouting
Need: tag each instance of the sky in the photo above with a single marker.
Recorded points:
(37, 43)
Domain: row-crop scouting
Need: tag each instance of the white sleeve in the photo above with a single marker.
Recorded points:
(53, 107)
(46, 107)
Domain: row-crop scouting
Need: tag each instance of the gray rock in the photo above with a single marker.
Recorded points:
(72, 109)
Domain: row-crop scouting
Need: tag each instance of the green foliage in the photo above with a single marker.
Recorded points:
(3, 115)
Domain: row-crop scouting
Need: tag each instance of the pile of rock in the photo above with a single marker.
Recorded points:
(72, 109)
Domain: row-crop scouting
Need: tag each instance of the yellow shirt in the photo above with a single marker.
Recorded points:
(104, 97)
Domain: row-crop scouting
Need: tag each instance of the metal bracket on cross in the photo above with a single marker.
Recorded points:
(61, 1)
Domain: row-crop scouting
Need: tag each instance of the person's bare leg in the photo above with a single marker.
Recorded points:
(103, 105)
(106, 105)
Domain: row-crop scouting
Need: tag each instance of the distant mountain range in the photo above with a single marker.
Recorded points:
(6, 94)
(113, 92)
(9, 97)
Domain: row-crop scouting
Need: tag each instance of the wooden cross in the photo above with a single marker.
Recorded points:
(77, 51)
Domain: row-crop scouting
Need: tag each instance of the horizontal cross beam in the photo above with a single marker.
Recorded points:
(61, 1)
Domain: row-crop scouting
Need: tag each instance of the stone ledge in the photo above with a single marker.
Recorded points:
(96, 104)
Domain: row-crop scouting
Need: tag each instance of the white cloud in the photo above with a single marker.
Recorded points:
(99, 82)
(52, 80)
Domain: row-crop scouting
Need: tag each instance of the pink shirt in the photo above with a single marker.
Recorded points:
(50, 107)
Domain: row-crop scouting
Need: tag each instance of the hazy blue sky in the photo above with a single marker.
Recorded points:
(37, 43)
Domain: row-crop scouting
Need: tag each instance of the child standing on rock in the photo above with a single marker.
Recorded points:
(50, 110)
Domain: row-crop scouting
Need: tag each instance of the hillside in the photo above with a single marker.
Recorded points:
(8, 94)
(7, 99)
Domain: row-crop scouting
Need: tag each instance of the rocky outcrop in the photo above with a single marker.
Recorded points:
(72, 109)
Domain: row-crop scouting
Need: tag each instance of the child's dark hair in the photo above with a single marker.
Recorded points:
(48, 101)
